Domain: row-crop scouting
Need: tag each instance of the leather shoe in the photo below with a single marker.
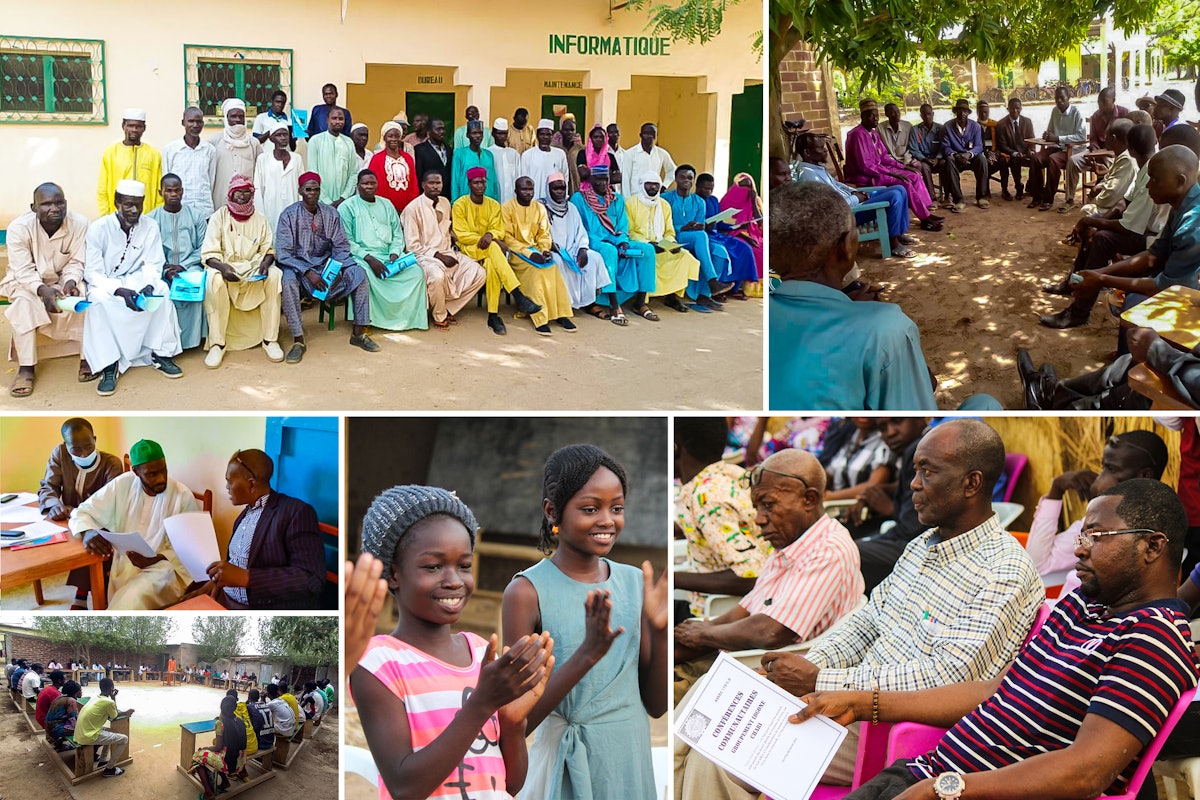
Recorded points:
(1006, 195)
(1063, 320)
(1030, 378)
(1060, 289)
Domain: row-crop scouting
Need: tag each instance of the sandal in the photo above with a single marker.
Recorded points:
(85, 372)
(22, 386)
(904, 252)
(644, 312)
(443, 325)
(453, 320)
(598, 311)
(619, 319)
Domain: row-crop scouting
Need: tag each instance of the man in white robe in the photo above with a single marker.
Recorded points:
(451, 278)
(45, 265)
(130, 322)
(507, 160)
(138, 502)
(647, 157)
(582, 268)
(237, 149)
(540, 162)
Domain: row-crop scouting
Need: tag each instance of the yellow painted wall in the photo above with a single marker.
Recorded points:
(686, 118)
(144, 67)
(197, 450)
(525, 89)
(381, 96)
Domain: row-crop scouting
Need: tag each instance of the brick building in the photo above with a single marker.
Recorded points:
(807, 90)
(27, 643)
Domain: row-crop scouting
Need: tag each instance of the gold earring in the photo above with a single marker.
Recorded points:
(554, 530)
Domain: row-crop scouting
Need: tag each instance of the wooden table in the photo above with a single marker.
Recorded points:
(1161, 394)
(1173, 313)
(37, 563)
(114, 673)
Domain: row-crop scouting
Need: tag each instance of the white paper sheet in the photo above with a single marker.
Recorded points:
(126, 542)
(195, 541)
(43, 527)
(739, 720)
(21, 499)
(16, 513)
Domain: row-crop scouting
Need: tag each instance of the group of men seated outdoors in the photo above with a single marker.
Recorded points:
(274, 560)
(951, 598)
(214, 240)
(71, 721)
(1136, 233)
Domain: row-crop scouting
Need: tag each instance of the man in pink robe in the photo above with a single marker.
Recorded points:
(868, 163)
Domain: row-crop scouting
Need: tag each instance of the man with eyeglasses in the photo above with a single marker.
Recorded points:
(275, 559)
(1084, 697)
(1133, 454)
(957, 606)
(809, 582)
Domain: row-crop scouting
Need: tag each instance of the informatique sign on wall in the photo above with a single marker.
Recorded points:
(578, 44)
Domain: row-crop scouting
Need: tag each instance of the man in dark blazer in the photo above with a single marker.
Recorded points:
(1011, 133)
(275, 559)
(435, 155)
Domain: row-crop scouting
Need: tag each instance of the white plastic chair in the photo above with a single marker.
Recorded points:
(1008, 513)
(359, 761)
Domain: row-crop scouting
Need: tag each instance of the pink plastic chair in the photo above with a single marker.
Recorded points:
(1014, 465)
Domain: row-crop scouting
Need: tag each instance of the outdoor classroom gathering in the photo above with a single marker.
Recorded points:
(966, 221)
(993, 608)
(150, 513)
(178, 705)
(583, 205)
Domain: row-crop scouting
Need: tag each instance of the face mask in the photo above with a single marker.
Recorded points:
(85, 463)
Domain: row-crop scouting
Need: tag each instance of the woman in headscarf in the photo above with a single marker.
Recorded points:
(743, 195)
(596, 151)
(583, 269)
(395, 169)
(650, 221)
(277, 173)
(212, 766)
(743, 265)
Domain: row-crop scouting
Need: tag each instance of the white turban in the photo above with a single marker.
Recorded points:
(232, 103)
(276, 125)
(501, 124)
(390, 125)
(131, 188)
(358, 125)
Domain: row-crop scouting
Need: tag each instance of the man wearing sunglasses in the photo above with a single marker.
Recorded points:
(1084, 697)
(1133, 454)
(275, 559)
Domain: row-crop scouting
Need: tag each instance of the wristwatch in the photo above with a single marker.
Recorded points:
(949, 785)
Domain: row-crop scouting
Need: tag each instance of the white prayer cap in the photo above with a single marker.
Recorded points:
(390, 125)
(358, 125)
(131, 188)
(276, 125)
(545, 123)
(232, 103)
(138, 114)
(501, 124)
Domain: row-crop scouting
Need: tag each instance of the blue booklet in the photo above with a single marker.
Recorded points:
(330, 274)
(188, 286)
(394, 268)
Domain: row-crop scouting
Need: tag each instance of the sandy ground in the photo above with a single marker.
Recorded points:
(26, 772)
(689, 361)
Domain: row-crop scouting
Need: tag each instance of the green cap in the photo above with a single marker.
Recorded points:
(144, 451)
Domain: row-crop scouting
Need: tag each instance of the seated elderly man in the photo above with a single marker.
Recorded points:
(182, 228)
(1066, 137)
(130, 321)
(75, 471)
(1013, 150)
(275, 559)
(45, 264)
(1084, 697)
(242, 276)
(309, 234)
(451, 278)
(530, 252)
(962, 147)
(1120, 176)
(138, 502)
(826, 350)
(582, 268)
(715, 515)
(650, 223)
(1173, 259)
(1107, 112)
(956, 608)
(372, 225)
(479, 230)
(809, 581)
(813, 168)
(1124, 228)
(897, 137)
(868, 162)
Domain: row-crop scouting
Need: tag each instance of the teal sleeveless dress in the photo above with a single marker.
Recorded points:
(595, 745)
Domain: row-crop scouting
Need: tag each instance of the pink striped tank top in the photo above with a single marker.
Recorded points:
(432, 692)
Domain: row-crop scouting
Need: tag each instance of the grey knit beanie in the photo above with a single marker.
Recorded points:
(397, 509)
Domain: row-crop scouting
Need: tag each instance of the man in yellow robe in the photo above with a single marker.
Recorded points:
(240, 272)
(479, 229)
(527, 235)
(650, 221)
(129, 159)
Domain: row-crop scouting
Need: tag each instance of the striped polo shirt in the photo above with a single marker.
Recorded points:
(810, 584)
(433, 692)
(1129, 668)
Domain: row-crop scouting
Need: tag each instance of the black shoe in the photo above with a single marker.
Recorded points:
(1060, 289)
(1033, 203)
(1020, 192)
(1030, 378)
(166, 365)
(716, 287)
(296, 353)
(108, 381)
(566, 324)
(496, 324)
(673, 302)
(527, 306)
(365, 342)
(543, 330)
(1063, 319)
(708, 302)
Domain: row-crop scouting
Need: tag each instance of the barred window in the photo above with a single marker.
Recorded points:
(51, 80)
(252, 74)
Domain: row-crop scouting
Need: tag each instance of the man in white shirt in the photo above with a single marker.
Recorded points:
(648, 157)
(195, 162)
(507, 160)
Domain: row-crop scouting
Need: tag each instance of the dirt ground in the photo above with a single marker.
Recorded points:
(26, 771)
(974, 291)
(685, 361)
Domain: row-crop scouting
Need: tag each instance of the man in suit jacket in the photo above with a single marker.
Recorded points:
(1011, 133)
(435, 155)
(275, 559)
